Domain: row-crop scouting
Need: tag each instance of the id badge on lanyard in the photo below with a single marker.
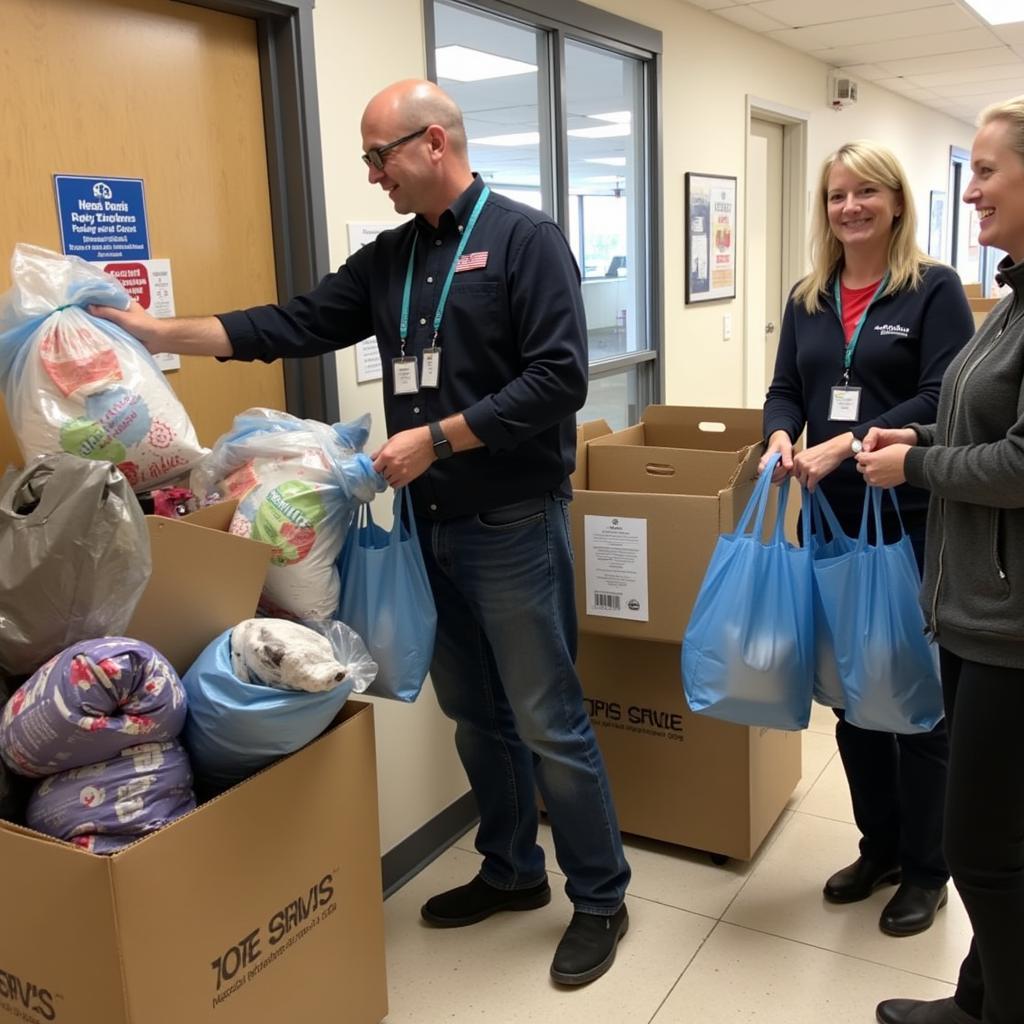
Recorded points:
(431, 376)
(404, 369)
(844, 403)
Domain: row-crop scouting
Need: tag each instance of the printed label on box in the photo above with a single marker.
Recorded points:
(615, 557)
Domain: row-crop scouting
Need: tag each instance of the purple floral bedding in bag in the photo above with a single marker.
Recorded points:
(103, 807)
(89, 703)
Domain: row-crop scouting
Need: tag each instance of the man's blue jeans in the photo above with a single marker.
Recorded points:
(503, 670)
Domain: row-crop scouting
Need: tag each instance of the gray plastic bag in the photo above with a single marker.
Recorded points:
(74, 557)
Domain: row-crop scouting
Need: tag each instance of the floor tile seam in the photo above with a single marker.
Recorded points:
(817, 779)
(827, 817)
(761, 855)
(839, 952)
(686, 967)
(672, 906)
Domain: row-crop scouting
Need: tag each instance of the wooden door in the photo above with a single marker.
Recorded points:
(165, 92)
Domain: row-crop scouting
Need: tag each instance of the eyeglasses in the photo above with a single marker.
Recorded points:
(375, 157)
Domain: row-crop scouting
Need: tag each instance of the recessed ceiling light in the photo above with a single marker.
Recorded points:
(611, 161)
(462, 64)
(601, 131)
(998, 12)
(616, 116)
(516, 139)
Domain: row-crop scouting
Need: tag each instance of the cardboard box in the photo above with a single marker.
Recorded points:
(261, 906)
(657, 496)
(676, 776)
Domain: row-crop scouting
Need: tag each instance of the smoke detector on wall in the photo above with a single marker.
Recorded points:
(842, 91)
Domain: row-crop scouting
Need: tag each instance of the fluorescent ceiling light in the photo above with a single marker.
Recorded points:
(516, 139)
(616, 117)
(462, 64)
(611, 161)
(601, 131)
(998, 12)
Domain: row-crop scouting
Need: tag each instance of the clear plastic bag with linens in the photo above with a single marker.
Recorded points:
(236, 727)
(748, 651)
(79, 384)
(74, 557)
(297, 483)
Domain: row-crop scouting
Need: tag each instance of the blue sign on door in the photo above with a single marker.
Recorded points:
(102, 218)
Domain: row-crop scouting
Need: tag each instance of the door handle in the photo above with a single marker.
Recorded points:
(769, 328)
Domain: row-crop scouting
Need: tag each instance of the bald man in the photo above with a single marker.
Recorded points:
(476, 306)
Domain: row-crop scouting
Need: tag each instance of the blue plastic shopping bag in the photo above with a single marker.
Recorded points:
(869, 595)
(386, 598)
(828, 540)
(748, 651)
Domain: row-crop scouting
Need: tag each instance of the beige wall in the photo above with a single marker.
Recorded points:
(710, 67)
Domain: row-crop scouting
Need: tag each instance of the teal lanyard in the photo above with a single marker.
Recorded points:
(848, 355)
(403, 327)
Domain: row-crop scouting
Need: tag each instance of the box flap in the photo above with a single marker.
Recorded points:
(59, 961)
(204, 581)
(702, 427)
(267, 900)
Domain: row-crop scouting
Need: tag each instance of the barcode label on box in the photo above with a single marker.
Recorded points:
(615, 563)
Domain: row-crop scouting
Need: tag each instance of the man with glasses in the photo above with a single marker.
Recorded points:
(476, 306)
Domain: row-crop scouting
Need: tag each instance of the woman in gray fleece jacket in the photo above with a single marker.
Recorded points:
(972, 461)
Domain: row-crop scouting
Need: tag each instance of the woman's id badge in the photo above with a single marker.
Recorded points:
(845, 404)
(405, 376)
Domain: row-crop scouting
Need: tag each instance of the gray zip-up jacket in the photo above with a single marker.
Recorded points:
(972, 461)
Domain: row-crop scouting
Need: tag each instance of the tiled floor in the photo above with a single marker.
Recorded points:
(707, 945)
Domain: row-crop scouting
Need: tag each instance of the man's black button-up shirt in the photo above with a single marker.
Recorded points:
(513, 342)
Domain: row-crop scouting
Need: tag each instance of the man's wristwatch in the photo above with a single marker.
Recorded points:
(442, 446)
(856, 446)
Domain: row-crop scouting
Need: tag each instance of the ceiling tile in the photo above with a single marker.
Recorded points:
(799, 13)
(712, 5)
(966, 90)
(1012, 34)
(938, 61)
(748, 17)
(903, 25)
(967, 75)
(948, 50)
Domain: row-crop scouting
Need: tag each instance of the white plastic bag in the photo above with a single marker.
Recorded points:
(79, 384)
(297, 483)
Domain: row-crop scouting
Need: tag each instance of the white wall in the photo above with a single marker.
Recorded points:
(710, 67)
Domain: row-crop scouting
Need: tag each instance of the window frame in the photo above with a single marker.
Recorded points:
(570, 19)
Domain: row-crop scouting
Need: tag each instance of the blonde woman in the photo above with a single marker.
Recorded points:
(970, 457)
(866, 338)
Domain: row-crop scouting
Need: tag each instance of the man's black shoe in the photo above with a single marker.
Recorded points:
(588, 946)
(857, 881)
(911, 910)
(476, 900)
(919, 1011)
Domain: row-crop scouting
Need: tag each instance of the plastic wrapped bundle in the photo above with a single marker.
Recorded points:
(297, 483)
(88, 704)
(237, 727)
(74, 558)
(103, 807)
(76, 383)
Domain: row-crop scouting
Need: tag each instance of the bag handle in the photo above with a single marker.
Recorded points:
(403, 507)
(778, 533)
(758, 499)
(873, 497)
(824, 515)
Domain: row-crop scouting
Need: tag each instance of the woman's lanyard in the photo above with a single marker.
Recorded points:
(405, 367)
(845, 404)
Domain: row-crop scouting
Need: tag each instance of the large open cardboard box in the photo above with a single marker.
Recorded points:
(261, 906)
(682, 476)
(686, 475)
(676, 776)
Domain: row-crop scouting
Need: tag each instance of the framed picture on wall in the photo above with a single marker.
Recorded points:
(936, 223)
(710, 237)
